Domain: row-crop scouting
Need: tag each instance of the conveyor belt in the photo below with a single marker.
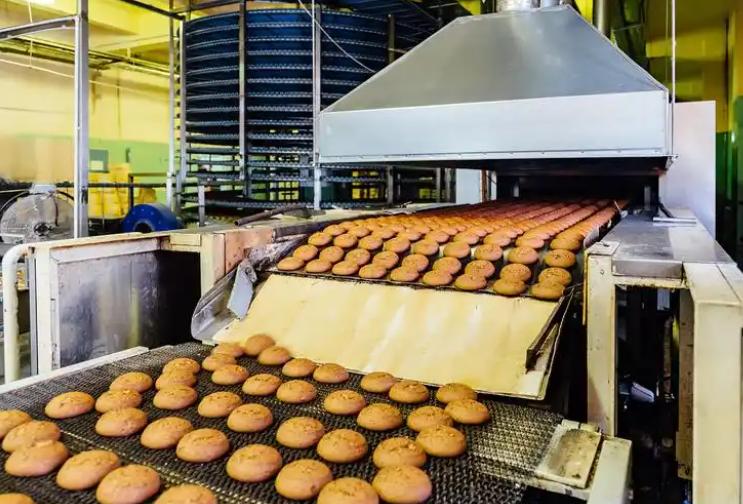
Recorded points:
(500, 457)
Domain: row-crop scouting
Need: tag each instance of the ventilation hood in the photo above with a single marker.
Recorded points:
(535, 84)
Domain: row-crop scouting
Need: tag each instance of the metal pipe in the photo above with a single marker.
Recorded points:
(169, 200)
(673, 73)
(182, 171)
(241, 48)
(38, 26)
(81, 132)
(601, 16)
(316, 105)
(11, 330)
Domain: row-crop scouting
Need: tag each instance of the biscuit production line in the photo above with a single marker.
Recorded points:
(524, 348)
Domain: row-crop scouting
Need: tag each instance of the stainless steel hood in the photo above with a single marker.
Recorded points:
(531, 84)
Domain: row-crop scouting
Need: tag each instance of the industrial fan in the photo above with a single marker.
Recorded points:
(42, 213)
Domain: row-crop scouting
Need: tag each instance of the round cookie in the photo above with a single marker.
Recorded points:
(345, 268)
(479, 267)
(438, 236)
(359, 256)
(134, 380)
(549, 291)
(250, 418)
(254, 463)
(302, 479)
(373, 271)
(557, 275)
(566, 243)
(36, 460)
(187, 494)
(399, 451)
(506, 287)
(296, 392)
(86, 469)
(404, 274)
(175, 398)
(173, 378)
(262, 384)
(121, 422)
(409, 392)
(378, 382)
(218, 404)
(233, 349)
(428, 416)
(379, 417)
(371, 243)
(332, 254)
(457, 250)
(254, 345)
(319, 239)
(29, 433)
(417, 262)
(15, 498)
(69, 405)
(10, 419)
(182, 364)
(231, 374)
(345, 241)
(453, 391)
(274, 356)
(397, 245)
(488, 252)
(342, 446)
(519, 272)
(530, 241)
(215, 361)
(470, 282)
(387, 259)
(300, 432)
(330, 373)
(442, 441)
(437, 278)
(467, 237)
(348, 491)
(560, 259)
(117, 399)
(290, 264)
(523, 255)
(305, 252)
(334, 230)
(468, 411)
(165, 433)
(402, 485)
(298, 368)
(318, 266)
(202, 445)
(449, 265)
(344, 402)
(498, 239)
(130, 484)
(426, 248)
(359, 231)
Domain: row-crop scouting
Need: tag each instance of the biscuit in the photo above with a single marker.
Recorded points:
(417, 262)
(378, 382)
(399, 451)
(438, 236)
(233, 349)
(523, 255)
(15, 498)
(449, 265)
(218, 404)
(36, 460)
(442, 441)
(10, 419)
(300, 432)
(302, 479)
(383, 233)
(290, 264)
(572, 244)
(470, 282)
(274, 356)
(305, 253)
(557, 275)
(373, 271)
(549, 291)
(117, 399)
(298, 368)
(121, 422)
(428, 416)
(134, 380)
(379, 417)
(187, 494)
(467, 237)
(342, 446)
(334, 230)
(371, 243)
(254, 463)
(359, 256)
(296, 392)
(498, 239)
(408, 391)
(359, 231)
(387, 259)
(175, 398)
(231, 374)
(254, 345)
(165, 433)
(215, 361)
(130, 484)
(262, 384)
(481, 268)
(173, 378)
(348, 491)
(250, 418)
(437, 278)
(332, 254)
(345, 241)
(560, 259)
(318, 266)
(29, 433)
(468, 411)
(404, 274)
(530, 241)
(86, 469)
(330, 373)
(344, 402)
(425, 248)
(202, 445)
(182, 364)
(402, 485)
(518, 272)
(488, 252)
(397, 245)
(69, 405)
(319, 239)
(345, 268)
(457, 250)
(453, 391)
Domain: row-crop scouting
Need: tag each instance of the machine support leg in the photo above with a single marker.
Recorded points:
(316, 104)
(80, 216)
(684, 449)
(169, 182)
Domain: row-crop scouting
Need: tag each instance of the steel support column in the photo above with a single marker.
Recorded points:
(316, 104)
(81, 133)
(169, 199)
(244, 168)
(183, 169)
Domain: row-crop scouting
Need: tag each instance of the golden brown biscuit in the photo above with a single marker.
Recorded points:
(457, 250)
(557, 275)
(330, 373)
(498, 239)
(488, 252)
(121, 422)
(549, 291)
(348, 491)
(572, 244)
(480, 267)
(438, 236)
(290, 264)
(254, 463)
(165, 433)
(344, 402)
(523, 255)
(218, 404)
(442, 441)
(378, 382)
(467, 237)
(379, 417)
(437, 278)
(134, 380)
(345, 268)
(215, 361)
(187, 494)
(175, 398)
(231, 374)
(373, 271)
(397, 245)
(402, 485)
(426, 248)
(468, 411)
(428, 416)
(519, 272)
(559, 259)
(449, 265)
(300, 432)
(117, 399)
(404, 274)
(305, 252)
(345, 241)
(298, 368)
(86, 469)
(250, 418)
(332, 254)
(130, 484)
(399, 451)
(296, 392)
(263, 384)
(202, 445)
(417, 262)
(173, 378)
(371, 243)
(410, 235)
(254, 345)
(69, 404)
(387, 259)
(274, 356)
(342, 446)
(319, 239)
(334, 230)
(359, 231)
(15, 498)
(318, 266)
(453, 391)
(470, 282)
(530, 242)
(37, 459)
(359, 256)
(302, 479)
(12, 418)
(233, 349)
(29, 433)
(182, 364)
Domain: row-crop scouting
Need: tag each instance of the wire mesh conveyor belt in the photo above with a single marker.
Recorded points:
(500, 457)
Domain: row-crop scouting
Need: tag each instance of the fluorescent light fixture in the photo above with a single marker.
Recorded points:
(42, 2)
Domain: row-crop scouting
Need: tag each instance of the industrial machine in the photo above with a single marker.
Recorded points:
(38, 214)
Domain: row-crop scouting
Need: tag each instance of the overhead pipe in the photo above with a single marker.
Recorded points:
(601, 16)
(11, 329)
